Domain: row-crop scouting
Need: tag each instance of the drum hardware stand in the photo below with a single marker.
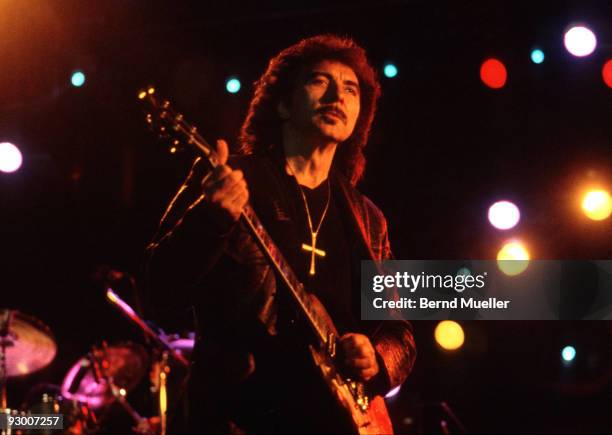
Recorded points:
(5, 342)
(119, 394)
(160, 340)
(163, 394)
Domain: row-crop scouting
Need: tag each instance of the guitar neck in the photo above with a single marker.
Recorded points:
(277, 260)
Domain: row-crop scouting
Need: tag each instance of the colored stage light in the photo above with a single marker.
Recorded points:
(568, 353)
(77, 79)
(449, 335)
(393, 392)
(537, 56)
(232, 85)
(513, 258)
(580, 41)
(23, 368)
(504, 215)
(597, 204)
(464, 271)
(606, 73)
(10, 157)
(390, 70)
(493, 73)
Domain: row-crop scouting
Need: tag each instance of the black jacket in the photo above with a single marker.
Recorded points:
(220, 270)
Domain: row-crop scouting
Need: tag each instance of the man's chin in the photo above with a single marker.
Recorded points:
(332, 133)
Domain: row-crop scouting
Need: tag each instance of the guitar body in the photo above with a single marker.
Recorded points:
(374, 420)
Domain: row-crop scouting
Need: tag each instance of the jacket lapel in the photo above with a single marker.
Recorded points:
(354, 215)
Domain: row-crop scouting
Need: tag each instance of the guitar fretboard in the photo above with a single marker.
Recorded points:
(277, 259)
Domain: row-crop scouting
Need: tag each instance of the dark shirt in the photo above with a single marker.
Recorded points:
(332, 281)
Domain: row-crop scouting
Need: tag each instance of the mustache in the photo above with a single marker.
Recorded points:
(332, 110)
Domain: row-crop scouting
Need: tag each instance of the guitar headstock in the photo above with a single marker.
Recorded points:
(171, 127)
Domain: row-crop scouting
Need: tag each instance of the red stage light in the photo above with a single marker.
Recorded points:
(606, 72)
(493, 73)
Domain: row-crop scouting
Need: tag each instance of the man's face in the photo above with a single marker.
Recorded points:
(325, 102)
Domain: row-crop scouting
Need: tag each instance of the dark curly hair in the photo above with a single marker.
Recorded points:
(261, 130)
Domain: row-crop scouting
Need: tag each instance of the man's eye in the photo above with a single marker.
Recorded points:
(351, 90)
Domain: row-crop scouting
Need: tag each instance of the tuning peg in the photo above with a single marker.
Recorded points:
(142, 94)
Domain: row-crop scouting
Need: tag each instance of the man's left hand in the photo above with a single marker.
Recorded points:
(359, 355)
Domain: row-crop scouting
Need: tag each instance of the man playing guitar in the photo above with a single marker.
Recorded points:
(300, 156)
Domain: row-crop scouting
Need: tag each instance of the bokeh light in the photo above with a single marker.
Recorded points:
(606, 73)
(393, 392)
(580, 41)
(77, 79)
(513, 258)
(449, 335)
(390, 70)
(568, 353)
(464, 271)
(537, 56)
(504, 215)
(597, 204)
(10, 157)
(232, 85)
(493, 73)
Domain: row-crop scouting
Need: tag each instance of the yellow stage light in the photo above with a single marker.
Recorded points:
(597, 205)
(513, 258)
(449, 335)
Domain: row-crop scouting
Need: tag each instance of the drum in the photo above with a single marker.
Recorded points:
(12, 413)
(46, 399)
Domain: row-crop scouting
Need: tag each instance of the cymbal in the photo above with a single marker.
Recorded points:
(29, 343)
(123, 363)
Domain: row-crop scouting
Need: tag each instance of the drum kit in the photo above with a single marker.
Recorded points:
(98, 382)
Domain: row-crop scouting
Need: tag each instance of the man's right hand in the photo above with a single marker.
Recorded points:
(225, 189)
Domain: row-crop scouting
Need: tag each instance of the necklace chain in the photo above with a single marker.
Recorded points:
(313, 233)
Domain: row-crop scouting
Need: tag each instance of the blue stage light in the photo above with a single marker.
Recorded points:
(77, 79)
(568, 353)
(390, 70)
(232, 85)
(537, 56)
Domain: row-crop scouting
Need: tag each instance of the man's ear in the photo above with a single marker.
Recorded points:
(283, 111)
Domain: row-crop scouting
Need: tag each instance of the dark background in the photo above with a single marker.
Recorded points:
(94, 182)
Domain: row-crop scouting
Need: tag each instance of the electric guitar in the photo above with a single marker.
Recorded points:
(368, 414)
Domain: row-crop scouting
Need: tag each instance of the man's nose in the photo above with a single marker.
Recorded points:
(333, 93)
